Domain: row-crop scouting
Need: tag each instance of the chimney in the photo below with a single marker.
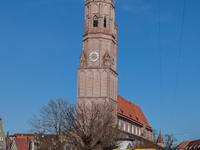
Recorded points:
(26, 139)
(8, 141)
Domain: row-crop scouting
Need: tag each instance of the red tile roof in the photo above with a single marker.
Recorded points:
(193, 145)
(22, 144)
(30, 137)
(131, 112)
(183, 145)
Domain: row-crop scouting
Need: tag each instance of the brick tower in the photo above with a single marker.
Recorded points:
(97, 72)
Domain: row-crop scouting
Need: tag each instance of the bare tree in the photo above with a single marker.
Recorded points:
(95, 127)
(155, 134)
(51, 123)
(87, 126)
(169, 142)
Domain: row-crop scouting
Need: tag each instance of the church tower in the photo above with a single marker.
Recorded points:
(97, 72)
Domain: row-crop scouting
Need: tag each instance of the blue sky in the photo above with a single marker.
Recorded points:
(40, 45)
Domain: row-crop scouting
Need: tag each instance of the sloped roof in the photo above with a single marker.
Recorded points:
(22, 144)
(193, 145)
(183, 145)
(23, 134)
(131, 112)
(22, 137)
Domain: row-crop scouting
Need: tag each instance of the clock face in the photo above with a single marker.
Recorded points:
(94, 56)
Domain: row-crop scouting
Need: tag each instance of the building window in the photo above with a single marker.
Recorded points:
(139, 132)
(136, 131)
(132, 129)
(104, 24)
(95, 21)
(128, 128)
(119, 124)
(124, 126)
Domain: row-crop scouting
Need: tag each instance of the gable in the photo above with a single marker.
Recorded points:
(23, 143)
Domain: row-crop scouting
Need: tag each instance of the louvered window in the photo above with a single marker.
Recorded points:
(95, 22)
(104, 24)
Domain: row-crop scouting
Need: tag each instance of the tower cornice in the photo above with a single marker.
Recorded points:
(99, 36)
(100, 1)
(101, 68)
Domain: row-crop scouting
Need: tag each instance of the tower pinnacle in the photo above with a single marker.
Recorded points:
(160, 141)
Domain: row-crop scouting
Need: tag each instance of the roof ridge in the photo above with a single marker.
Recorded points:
(128, 101)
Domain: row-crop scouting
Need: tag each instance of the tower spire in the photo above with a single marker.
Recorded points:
(160, 141)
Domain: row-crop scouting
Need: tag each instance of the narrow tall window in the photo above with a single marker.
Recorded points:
(119, 124)
(136, 131)
(104, 24)
(132, 129)
(124, 126)
(128, 128)
(95, 22)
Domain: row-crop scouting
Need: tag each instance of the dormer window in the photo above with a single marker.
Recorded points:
(104, 24)
(95, 21)
(130, 115)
